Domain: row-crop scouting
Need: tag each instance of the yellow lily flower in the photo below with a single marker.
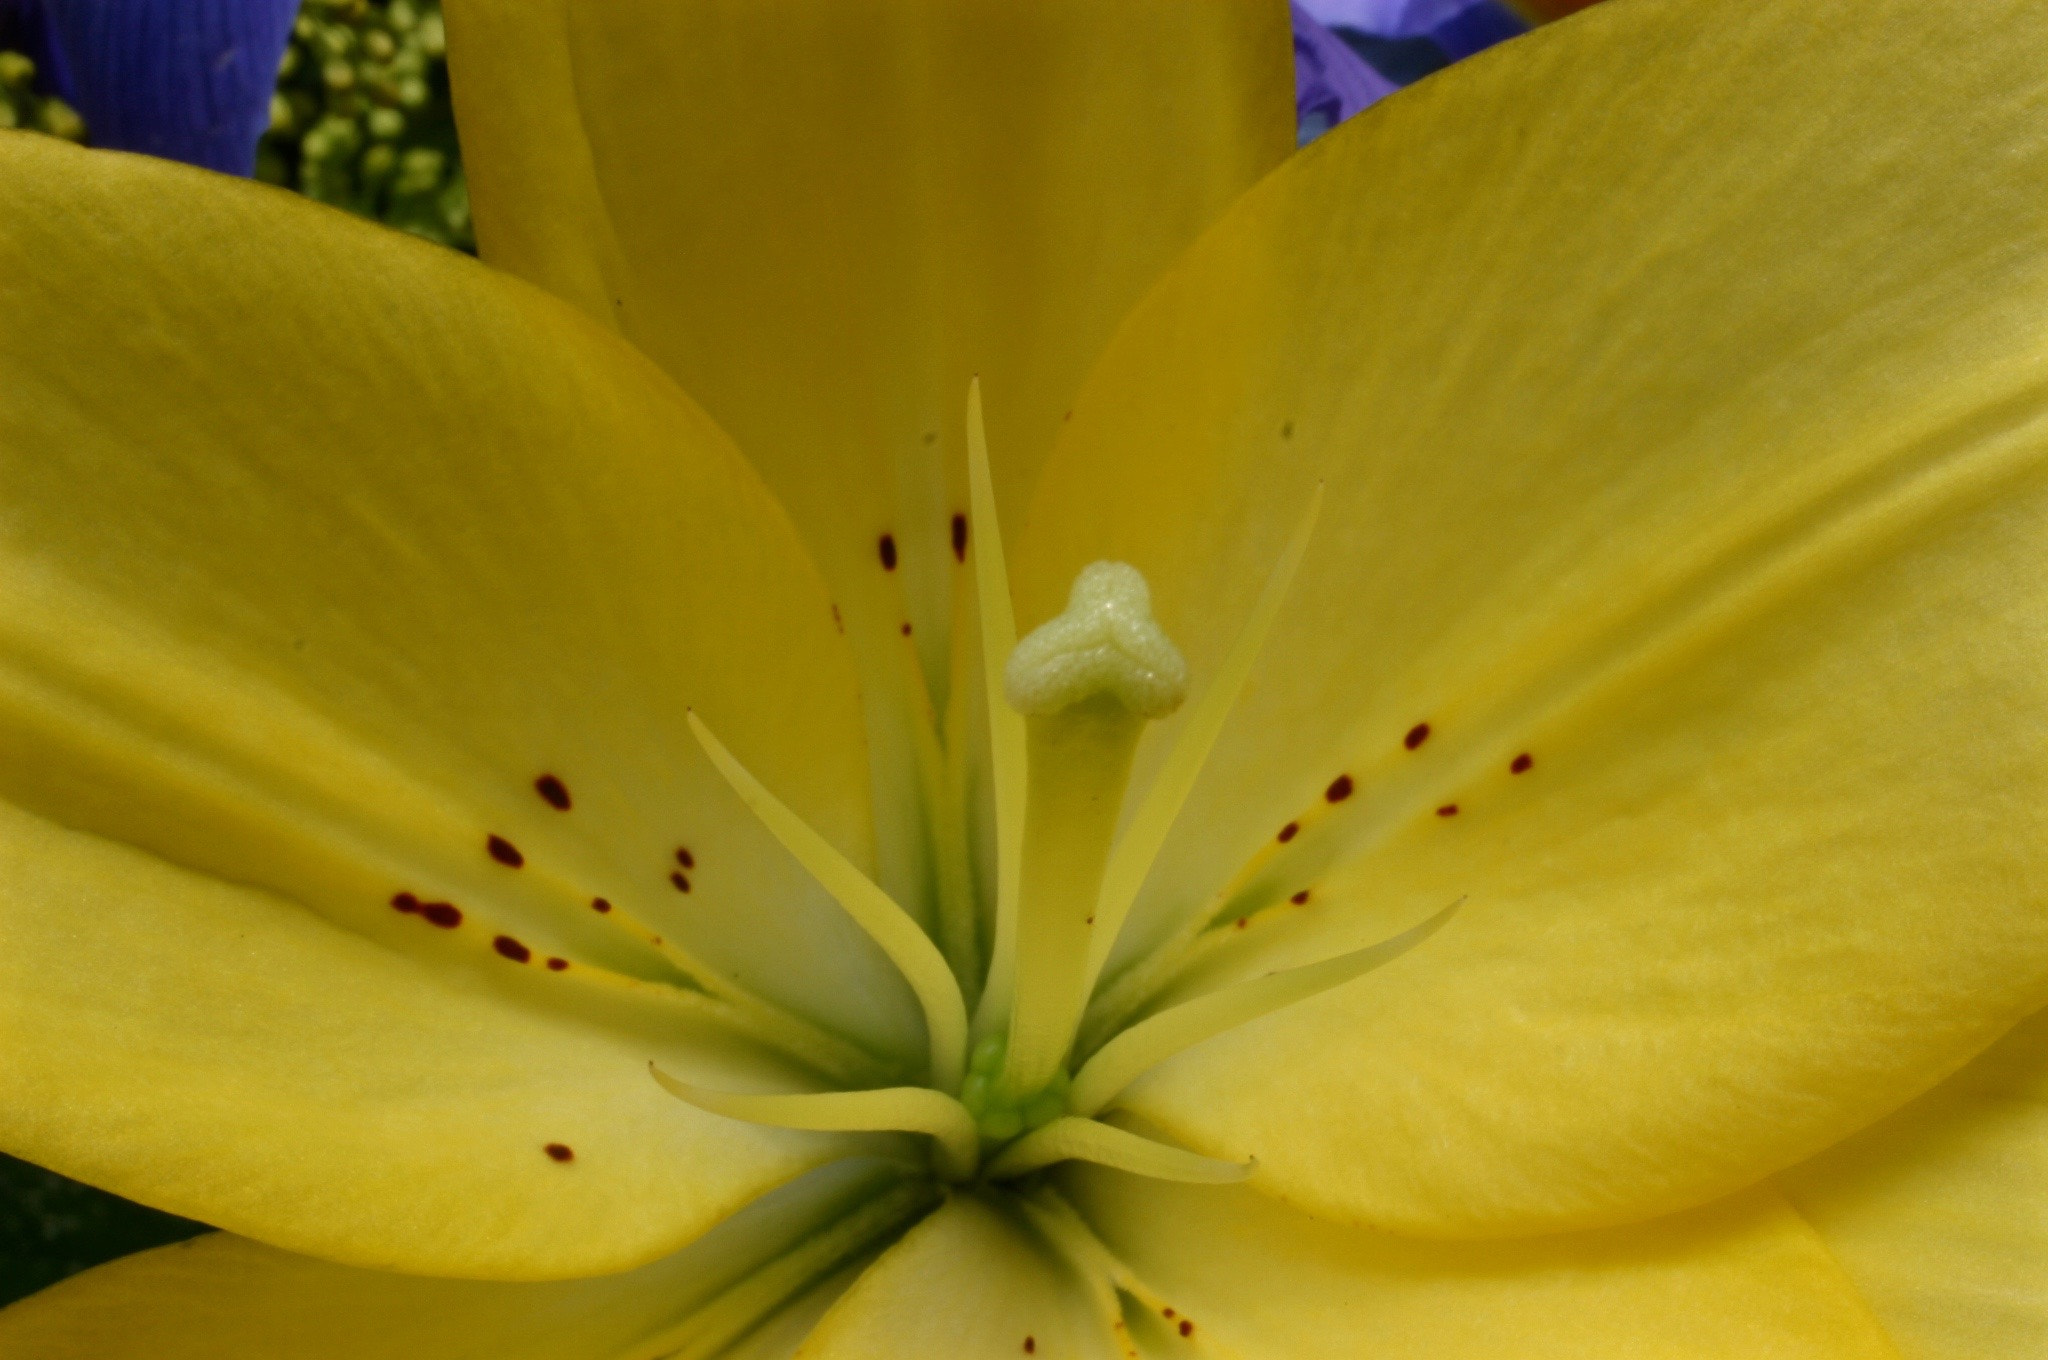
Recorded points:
(1588, 902)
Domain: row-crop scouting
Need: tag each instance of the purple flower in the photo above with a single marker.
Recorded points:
(190, 80)
(1331, 82)
(1349, 53)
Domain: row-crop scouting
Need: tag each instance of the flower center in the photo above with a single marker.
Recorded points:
(1066, 709)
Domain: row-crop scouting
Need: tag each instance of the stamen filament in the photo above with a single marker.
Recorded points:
(948, 838)
(712, 1329)
(1005, 724)
(1139, 846)
(740, 1010)
(901, 938)
(1152, 1041)
(1086, 1140)
(903, 1109)
(1100, 1273)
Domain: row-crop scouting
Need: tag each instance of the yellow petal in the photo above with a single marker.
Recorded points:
(1940, 1213)
(1683, 428)
(1242, 1276)
(971, 1282)
(823, 221)
(223, 1053)
(319, 547)
(222, 1297)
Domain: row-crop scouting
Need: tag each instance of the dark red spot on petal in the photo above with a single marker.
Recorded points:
(681, 881)
(1031, 1345)
(557, 965)
(1287, 429)
(1340, 788)
(1521, 763)
(406, 903)
(1166, 1312)
(443, 914)
(600, 905)
(561, 1152)
(1186, 1328)
(959, 538)
(1242, 922)
(505, 852)
(1299, 898)
(553, 792)
(1417, 735)
(1289, 832)
(905, 630)
(887, 549)
(685, 858)
(1447, 810)
(512, 949)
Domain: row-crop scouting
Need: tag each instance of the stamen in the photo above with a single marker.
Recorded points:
(1139, 846)
(1005, 724)
(1099, 1272)
(906, 1109)
(942, 811)
(1086, 1140)
(901, 938)
(1071, 1236)
(1087, 682)
(1152, 1041)
(713, 1328)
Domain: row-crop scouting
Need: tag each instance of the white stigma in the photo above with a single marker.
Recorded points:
(1106, 642)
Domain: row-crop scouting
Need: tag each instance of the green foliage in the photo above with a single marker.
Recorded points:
(21, 106)
(51, 1227)
(362, 118)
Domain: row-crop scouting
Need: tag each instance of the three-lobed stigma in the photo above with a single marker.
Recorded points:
(1106, 642)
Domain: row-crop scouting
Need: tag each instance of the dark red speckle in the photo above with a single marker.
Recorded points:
(600, 905)
(1031, 1345)
(959, 538)
(887, 549)
(1186, 1328)
(557, 965)
(553, 792)
(1300, 898)
(443, 914)
(1417, 735)
(1289, 832)
(512, 949)
(1340, 788)
(406, 903)
(905, 630)
(685, 858)
(505, 852)
(1521, 763)
(561, 1152)
(681, 880)
(1447, 810)
(1242, 922)
(1166, 1312)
